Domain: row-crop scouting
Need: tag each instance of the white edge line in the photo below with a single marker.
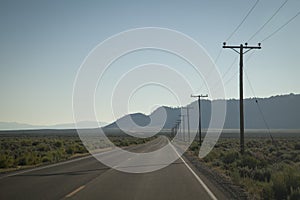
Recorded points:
(196, 176)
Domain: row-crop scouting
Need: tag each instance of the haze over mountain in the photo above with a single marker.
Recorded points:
(280, 112)
(22, 126)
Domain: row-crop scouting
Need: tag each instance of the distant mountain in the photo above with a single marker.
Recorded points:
(138, 118)
(14, 126)
(22, 126)
(279, 112)
(144, 120)
(83, 124)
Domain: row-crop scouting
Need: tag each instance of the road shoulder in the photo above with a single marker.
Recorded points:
(221, 187)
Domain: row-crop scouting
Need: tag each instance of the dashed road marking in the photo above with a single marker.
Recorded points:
(75, 191)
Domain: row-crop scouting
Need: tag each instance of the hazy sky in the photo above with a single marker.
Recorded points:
(43, 43)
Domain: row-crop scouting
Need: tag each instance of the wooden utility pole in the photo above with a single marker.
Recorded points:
(188, 121)
(175, 128)
(241, 52)
(199, 106)
(183, 128)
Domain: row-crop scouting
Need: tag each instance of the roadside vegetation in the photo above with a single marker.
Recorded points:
(18, 152)
(265, 171)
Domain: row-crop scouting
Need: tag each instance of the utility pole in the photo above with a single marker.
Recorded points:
(241, 52)
(199, 106)
(177, 126)
(183, 129)
(188, 121)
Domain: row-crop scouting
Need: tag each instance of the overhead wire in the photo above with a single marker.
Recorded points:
(258, 105)
(244, 19)
(226, 72)
(229, 37)
(218, 56)
(230, 67)
(266, 38)
(261, 28)
(248, 58)
(260, 111)
(235, 73)
(209, 73)
(231, 78)
(274, 14)
(281, 27)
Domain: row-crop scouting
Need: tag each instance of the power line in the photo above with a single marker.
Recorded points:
(216, 85)
(231, 78)
(235, 30)
(281, 27)
(218, 56)
(209, 73)
(230, 67)
(260, 110)
(226, 72)
(267, 21)
(229, 37)
(268, 37)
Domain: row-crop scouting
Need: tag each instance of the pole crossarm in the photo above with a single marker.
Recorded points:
(199, 96)
(248, 48)
(245, 47)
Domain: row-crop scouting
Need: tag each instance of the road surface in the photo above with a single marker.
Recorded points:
(87, 178)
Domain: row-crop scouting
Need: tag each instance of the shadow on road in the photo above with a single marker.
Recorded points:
(80, 172)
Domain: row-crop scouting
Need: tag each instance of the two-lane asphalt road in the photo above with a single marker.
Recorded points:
(87, 178)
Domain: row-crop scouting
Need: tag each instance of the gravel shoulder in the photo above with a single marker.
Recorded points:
(223, 183)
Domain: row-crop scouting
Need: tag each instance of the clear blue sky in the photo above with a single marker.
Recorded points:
(43, 43)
